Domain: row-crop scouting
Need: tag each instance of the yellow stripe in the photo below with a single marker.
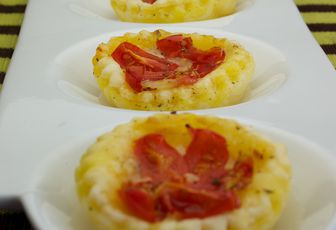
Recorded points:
(303, 2)
(4, 62)
(329, 17)
(7, 40)
(325, 38)
(13, 2)
(11, 19)
(332, 58)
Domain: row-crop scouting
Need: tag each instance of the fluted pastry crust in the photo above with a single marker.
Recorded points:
(169, 11)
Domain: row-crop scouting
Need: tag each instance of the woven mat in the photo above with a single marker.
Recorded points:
(320, 16)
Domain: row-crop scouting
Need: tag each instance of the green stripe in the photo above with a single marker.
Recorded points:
(4, 62)
(303, 2)
(332, 58)
(7, 40)
(325, 38)
(313, 17)
(13, 2)
(11, 19)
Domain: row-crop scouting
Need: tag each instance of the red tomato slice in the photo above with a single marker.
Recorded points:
(166, 189)
(174, 46)
(158, 160)
(203, 62)
(179, 46)
(149, 1)
(128, 54)
(206, 152)
(186, 202)
(140, 65)
(139, 202)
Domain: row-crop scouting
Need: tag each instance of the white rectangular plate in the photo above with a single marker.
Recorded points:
(37, 115)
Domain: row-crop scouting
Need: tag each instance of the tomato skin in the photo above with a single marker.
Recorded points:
(158, 160)
(149, 1)
(206, 152)
(179, 46)
(203, 62)
(129, 54)
(177, 199)
(186, 202)
(174, 46)
(139, 202)
(140, 65)
(167, 191)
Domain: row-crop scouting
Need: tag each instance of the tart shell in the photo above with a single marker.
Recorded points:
(169, 11)
(225, 85)
(110, 162)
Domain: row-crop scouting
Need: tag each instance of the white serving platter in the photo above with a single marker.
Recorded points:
(49, 99)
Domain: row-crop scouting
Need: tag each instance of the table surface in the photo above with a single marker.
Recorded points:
(319, 15)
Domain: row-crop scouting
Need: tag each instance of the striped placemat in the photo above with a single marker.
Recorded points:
(320, 16)
(11, 15)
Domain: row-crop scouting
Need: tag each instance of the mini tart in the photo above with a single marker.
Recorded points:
(169, 11)
(110, 162)
(225, 85)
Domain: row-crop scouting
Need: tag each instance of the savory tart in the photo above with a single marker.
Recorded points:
(165, 71)
(184, 171)
(169, 11)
